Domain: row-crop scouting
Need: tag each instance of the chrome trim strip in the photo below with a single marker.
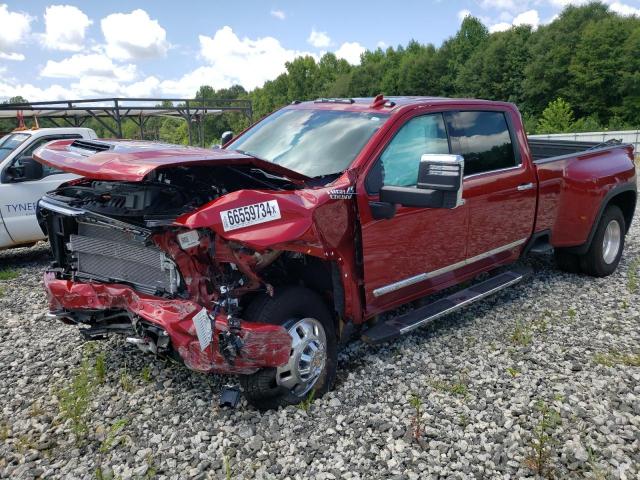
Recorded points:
(499, 170)
(461, 304)
(72, 212)
(421, 277)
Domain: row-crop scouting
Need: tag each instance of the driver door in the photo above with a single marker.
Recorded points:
(412, 253)
(20, 195)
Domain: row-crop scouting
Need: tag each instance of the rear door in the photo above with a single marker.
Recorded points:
(418, 248)
(19, 197)
(499, 187)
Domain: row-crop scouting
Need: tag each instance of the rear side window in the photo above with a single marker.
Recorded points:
(483, 139)
(399, 163)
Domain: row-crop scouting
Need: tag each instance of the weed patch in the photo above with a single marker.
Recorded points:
(306, 403)
(416, 422)
(542, 442)
(522, 334)
(8, 274)
(74, 400)
(614, 358)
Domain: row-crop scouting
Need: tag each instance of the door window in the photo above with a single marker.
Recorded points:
(28, 153)
(399, 163)
(483, 139)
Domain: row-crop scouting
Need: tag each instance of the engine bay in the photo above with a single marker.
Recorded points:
(165, 194)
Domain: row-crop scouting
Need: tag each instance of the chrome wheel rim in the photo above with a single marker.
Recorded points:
(611, 242)
(307, 359)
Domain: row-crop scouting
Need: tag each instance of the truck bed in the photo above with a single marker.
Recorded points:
(543, 149)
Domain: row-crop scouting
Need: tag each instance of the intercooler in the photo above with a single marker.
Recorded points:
(109, 254)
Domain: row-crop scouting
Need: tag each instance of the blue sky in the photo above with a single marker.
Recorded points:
(53, 50)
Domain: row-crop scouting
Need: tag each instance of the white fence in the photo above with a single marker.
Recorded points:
(627, 136)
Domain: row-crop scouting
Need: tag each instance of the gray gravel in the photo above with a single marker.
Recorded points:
(554, 360)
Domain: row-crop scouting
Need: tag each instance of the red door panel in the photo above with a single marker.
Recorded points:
(502, 209)
(414, 242)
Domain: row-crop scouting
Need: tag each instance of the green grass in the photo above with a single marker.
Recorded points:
(126, 382)
(112, 435)
(522, 334)
(454, 388)
(8, 274)
(542, 441)
(145, 374)
(614, 358)
(416, 402)
(632, 275)
(514, 372)
(74, 400)
(307, 402)
(101, 367)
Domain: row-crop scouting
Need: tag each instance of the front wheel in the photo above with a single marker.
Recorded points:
(313, 358)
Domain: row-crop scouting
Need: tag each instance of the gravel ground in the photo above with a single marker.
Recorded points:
(543, 376)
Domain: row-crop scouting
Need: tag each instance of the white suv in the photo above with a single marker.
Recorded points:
(23, 181)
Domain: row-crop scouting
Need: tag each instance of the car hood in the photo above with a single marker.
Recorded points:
(132, 161)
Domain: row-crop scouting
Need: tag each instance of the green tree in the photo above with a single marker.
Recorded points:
(556, 118)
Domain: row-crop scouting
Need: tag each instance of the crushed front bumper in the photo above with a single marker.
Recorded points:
(263, 345)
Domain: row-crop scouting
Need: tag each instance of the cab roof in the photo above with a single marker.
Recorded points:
(390, 104)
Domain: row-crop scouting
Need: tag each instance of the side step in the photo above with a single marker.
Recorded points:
(393, 328)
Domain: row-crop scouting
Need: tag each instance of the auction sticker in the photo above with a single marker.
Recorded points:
(250, 215)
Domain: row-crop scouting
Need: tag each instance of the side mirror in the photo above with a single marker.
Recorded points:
(28, 169)
(32, 169)
(439, 184)
(226, 137)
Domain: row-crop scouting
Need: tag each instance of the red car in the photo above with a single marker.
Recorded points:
(258, 259)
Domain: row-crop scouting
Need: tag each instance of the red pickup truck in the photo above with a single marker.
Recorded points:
(259, 258)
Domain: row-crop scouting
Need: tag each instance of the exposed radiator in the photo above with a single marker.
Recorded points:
(108, 254)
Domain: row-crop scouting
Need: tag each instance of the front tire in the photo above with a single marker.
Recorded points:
(313, 361)
(605, 250)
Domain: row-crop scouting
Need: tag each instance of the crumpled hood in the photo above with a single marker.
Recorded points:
(132, 161)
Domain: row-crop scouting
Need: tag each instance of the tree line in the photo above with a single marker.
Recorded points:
(580, 72)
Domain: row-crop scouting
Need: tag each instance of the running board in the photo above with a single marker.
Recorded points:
(393, 328)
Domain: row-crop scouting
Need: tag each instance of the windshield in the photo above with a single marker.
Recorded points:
(311, 142)
(10, 142)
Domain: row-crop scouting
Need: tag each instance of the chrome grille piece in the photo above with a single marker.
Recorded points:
(109, 254)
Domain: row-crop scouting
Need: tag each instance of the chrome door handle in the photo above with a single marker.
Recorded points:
(525, 186)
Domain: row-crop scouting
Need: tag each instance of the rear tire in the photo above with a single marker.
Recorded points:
(304, 314)
(605, 250)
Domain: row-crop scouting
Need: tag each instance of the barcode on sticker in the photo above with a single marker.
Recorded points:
(202, 322)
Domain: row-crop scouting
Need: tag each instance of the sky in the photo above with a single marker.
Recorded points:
(93, 49)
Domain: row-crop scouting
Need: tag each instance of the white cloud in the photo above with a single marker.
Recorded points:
(16, 57)
(65, 27)
(500, 27)
(14, 28)
(351, 52)
(33, 93)
(232, 60)
(134, 36)
(530, 17)
(319, 39)
(624, 9)
(501, 4)
(92, 64)
(381, 44)
(279, 14)
(462, 14)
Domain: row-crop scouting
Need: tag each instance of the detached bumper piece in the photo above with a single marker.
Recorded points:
(263, 345)
(395, 327)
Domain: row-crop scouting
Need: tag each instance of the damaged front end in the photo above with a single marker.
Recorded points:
(168, 246)
(123, 266)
